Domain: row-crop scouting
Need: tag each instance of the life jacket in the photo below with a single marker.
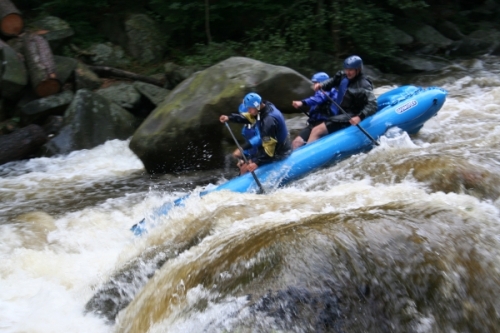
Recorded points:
(340, 95)
(271, 111)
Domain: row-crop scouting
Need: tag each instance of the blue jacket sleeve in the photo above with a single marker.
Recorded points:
(317, 99)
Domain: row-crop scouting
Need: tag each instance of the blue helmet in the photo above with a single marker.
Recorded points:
(353, 62)
(242, 108)
(319, 77)
(252, 100)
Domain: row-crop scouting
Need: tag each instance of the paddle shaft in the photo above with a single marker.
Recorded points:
(343, 111)
(245, 158)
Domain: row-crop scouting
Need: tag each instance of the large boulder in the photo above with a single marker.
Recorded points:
(184, 132)
(90, 121)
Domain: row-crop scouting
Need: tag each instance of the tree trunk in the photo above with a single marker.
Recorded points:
(41, 66)
(12, 23)
(22, 143)
(335, 28)
(13, 72)
(110, 72)
(207, 22)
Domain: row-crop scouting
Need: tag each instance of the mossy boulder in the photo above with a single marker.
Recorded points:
(184, 131)
(90, 121)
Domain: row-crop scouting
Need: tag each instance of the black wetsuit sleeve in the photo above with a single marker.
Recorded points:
(371, 101)
(332, 82)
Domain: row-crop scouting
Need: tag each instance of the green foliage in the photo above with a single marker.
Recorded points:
(288, 37)
(207, 55)
(282, 32)
(363, 26)
(408, 4)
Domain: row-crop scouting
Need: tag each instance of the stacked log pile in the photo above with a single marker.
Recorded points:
(38, 87)
(41, 65)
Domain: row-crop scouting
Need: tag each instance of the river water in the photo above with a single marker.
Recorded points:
(404, 238)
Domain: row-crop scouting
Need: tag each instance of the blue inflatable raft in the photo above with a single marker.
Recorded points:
(406, 107)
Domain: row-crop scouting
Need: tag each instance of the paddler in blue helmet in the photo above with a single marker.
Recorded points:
(355, 96)
(320, 109)
(271, 127)
(251, 135)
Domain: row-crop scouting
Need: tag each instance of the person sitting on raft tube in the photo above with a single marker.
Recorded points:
(320, 109)
(270, 124)
(355, 96)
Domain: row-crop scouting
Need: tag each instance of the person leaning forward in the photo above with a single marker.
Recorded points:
(274, 140)
(355, 96)
(320, 109)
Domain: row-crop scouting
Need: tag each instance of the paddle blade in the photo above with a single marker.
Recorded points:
(139, 228)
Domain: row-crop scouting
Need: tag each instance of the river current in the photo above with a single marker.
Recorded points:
(403, 238)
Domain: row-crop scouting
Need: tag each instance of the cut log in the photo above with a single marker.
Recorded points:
(22, 143)
(13, 72)
(110, 72)
(41, 65)
(12, 23)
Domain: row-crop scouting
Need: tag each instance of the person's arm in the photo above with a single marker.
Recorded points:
(235, 118)
(332, 82)
(317, 99)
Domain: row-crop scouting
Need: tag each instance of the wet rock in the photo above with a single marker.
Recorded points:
(153, 93)
(22, 143)
(89, 121)
(296, 307)
(39, 109)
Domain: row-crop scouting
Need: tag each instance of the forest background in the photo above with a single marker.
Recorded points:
(280, 32)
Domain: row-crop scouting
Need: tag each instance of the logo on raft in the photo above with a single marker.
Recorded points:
(406, 107)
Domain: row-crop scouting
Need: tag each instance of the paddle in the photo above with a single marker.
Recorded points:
(358, 125)
(245, 159)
